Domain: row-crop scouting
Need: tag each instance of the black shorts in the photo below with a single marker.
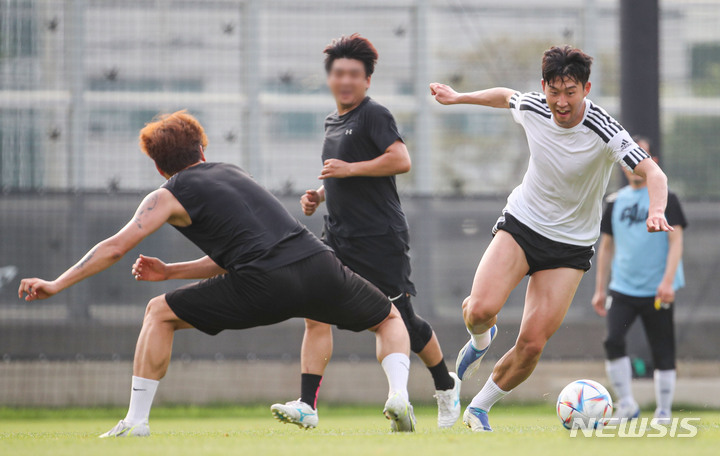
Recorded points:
(543, 253)
(318, 287)
(383, 260)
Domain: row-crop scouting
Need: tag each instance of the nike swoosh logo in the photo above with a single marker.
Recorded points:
(138, 389)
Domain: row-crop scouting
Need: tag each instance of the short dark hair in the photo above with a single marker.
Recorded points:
(351, 47)
(174, 141)
(566, 62)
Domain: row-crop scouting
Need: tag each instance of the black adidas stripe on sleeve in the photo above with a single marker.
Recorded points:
(612, 128)
(602, 123)
(536, 103)
(635, 156)
(597, 129)
(514, 99)
(529, 107)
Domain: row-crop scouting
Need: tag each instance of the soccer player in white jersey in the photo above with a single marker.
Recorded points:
(552, 219)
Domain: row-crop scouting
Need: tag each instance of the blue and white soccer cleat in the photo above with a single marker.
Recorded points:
(469, 358)
(448, 402)
(477, 420)
(400, 413)
(125, 429)
(296, 412)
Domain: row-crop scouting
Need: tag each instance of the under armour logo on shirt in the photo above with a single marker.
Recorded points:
(348, 132)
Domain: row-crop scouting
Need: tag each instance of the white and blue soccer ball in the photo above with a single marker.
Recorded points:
(584, 404)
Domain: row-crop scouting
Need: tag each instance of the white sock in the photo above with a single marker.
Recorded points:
(664, 389)
(488, 395)
(397, 370)
(480, 341)
(141, 398)
(619, 372)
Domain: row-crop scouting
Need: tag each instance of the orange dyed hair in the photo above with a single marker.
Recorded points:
(173, 141)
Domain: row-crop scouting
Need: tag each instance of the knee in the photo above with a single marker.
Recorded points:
(316, 326)
(664, 359)
(665, 364)
(614, 348)
(393, 320)
(420, 333)
(530, 349)
(475, 311)
(156, 310)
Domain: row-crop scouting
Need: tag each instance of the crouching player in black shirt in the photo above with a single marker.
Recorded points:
(262, 267)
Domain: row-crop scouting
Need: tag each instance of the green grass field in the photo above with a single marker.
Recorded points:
(347, 431)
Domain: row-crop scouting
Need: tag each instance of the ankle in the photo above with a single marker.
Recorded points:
(480, 341)
(441, 376)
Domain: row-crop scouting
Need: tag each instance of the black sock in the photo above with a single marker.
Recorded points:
(441, 376)
(309, 387)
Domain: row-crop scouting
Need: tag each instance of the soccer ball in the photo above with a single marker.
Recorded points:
(585, 404)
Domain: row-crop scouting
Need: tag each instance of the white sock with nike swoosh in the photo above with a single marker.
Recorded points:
(397, 370)
(141, 398)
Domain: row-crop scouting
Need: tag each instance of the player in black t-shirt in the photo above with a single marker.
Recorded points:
(365, 226)
(262, 267)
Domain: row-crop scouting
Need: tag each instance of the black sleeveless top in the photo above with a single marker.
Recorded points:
(237, 222)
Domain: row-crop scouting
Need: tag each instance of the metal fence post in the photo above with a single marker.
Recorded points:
(422, 153)
(75, 77)
(252, 153)
(77, 302)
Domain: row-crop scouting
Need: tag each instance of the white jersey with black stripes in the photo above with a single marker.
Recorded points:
(561, 194)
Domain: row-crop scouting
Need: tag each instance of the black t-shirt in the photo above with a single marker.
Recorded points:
(673, 214)
(361, 206)
(238, 223)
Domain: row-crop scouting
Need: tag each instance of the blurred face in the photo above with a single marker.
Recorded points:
(566, 99)
(348, 82)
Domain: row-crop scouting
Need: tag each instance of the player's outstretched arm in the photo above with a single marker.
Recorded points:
(658, 190)
(498, 97)
(154, 269)
(395, 160)
(605, 253)
(156, 209)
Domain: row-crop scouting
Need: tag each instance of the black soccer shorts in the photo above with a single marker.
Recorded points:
(381, 259)
(543, 253)
(318, 287)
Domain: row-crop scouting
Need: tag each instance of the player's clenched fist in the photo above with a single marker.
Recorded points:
(599, 300)
(310, 202)
(149, 269)
(444, 94)
(36, 289)
(665, 293)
